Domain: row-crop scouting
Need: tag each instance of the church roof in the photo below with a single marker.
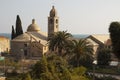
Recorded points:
(32, 36)
(33, 27)
(38, 37)
(92, 42)
(22, 37)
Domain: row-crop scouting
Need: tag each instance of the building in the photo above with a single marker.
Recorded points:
(53, 22)
(34, 43)
(99, 41)
(4, 44)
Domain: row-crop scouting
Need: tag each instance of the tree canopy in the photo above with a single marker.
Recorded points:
(82, 52)
(114, 30)
(104, 57)
(58, 41)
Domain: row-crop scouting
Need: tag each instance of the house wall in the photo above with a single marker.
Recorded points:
(98, 42)
(4, 44)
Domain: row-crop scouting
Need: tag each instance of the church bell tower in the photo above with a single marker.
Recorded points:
(53, 22)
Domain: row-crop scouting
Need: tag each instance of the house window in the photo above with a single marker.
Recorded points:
(25, 52)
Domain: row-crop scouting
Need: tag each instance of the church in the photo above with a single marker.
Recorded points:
(34, 43)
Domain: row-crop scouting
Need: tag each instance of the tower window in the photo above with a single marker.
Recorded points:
(56, 21)
(51, 21)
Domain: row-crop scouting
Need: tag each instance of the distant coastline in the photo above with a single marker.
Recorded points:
(79, 36)
(8, 35)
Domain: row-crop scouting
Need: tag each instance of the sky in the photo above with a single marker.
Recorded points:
(75, 16)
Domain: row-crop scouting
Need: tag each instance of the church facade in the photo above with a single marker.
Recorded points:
(34, 43)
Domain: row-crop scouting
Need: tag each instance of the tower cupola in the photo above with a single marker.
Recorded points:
(53, 12)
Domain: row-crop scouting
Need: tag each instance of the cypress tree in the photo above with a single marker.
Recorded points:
(19, 29)
(13, 35)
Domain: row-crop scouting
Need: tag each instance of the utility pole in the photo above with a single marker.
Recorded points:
(94, 63)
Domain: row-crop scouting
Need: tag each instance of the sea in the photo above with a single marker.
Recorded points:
(8, 35)
(78, 36)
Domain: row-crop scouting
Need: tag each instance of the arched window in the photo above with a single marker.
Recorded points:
(57, 21)
(51, 21)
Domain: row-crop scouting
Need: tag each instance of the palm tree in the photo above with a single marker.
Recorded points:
(82, 50)
(58, 41)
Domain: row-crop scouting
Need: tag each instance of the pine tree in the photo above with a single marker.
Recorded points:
(13, 35)
(66, 75)
(19, 29)
(28, 77)
(40, 67)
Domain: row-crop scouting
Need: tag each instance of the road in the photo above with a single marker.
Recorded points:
(106, 75)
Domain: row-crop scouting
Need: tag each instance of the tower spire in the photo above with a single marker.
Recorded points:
(53, 12)
(53, 7)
